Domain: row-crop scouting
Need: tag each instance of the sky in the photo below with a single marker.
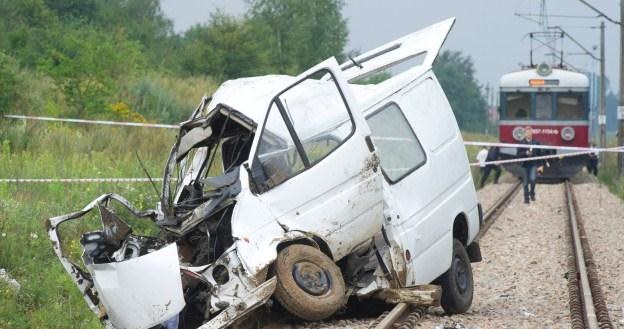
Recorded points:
(487, 30)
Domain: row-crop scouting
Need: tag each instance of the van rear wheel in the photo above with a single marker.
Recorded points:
(309, 284)
(457, 283)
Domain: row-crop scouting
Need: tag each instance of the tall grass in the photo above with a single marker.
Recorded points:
(48, 298)
(167, 98)
(608, 173)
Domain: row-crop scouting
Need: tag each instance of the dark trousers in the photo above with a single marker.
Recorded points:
(592, 166)
(529, 176)
(485, 172)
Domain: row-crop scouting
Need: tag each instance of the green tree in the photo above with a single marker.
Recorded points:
(88, 64)
(299, 34)
(141, 20)
(24, 29)
(226, 48)
(455, 72)
(9, 82)
(73, 9)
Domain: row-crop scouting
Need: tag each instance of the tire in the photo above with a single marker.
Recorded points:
(457, 283)
(309, 284)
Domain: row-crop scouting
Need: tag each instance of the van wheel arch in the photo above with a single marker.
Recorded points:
(460, 229)
(309, 240)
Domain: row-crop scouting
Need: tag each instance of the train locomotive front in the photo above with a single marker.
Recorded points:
(554, 102)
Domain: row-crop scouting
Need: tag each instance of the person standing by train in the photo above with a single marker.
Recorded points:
(531, 167)
(481, 156)
(492, 155)
(592, 162)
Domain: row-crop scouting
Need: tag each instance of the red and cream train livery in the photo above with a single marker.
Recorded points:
(554, 102)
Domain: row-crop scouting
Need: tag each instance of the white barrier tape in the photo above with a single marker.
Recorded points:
(547, 147)
(77, 180)
(543, 157)
(111, 123)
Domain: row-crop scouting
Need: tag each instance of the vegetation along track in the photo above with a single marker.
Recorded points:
(588, 308)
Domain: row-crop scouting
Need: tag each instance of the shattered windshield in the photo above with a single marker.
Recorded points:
(207, 152)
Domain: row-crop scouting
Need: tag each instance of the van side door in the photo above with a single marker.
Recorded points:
(314, 163)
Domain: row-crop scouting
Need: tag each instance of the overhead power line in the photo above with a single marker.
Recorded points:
(558, 16)
(575, 41)
(600, 13)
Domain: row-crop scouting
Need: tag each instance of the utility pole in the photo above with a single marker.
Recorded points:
(602, 118)
(621, 96)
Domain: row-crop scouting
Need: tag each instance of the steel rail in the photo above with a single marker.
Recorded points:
(583, 282)
(402, 316)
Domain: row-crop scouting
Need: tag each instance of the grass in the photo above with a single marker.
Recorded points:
(608, 172)
(48, 298)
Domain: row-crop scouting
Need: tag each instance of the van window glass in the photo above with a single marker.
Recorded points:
(276, 151)
(518, 105)
(318, 114)
(398, 148)
(570, 106)
(543, 106)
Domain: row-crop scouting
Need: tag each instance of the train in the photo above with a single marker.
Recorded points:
(554, 102)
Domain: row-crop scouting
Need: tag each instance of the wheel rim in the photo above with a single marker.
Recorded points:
(462, 276)
(311, 278)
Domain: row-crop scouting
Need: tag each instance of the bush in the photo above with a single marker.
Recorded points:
(168, 99)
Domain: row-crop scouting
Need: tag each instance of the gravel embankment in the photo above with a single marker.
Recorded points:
(603, 214)
(521, 281)
(492, 192)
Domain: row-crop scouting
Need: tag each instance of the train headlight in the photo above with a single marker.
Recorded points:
(568, 134)
(518, 133)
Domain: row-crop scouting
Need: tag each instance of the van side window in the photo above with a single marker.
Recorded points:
(305, 124)
(398, 147)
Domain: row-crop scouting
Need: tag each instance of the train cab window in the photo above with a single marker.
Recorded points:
(400, 152)
(570, 106)
(518, 105)
(543, 106)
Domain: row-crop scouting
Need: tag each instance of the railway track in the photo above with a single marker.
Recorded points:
(405, 316)
(588, 309)
(490, 215)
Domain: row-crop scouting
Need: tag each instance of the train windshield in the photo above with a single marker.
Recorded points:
(518, 105)
(571, 106)
(544, 106)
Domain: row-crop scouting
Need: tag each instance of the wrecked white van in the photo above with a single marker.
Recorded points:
(308, 190)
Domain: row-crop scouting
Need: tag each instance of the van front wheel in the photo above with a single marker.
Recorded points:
(309, 284)
(457, 283)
